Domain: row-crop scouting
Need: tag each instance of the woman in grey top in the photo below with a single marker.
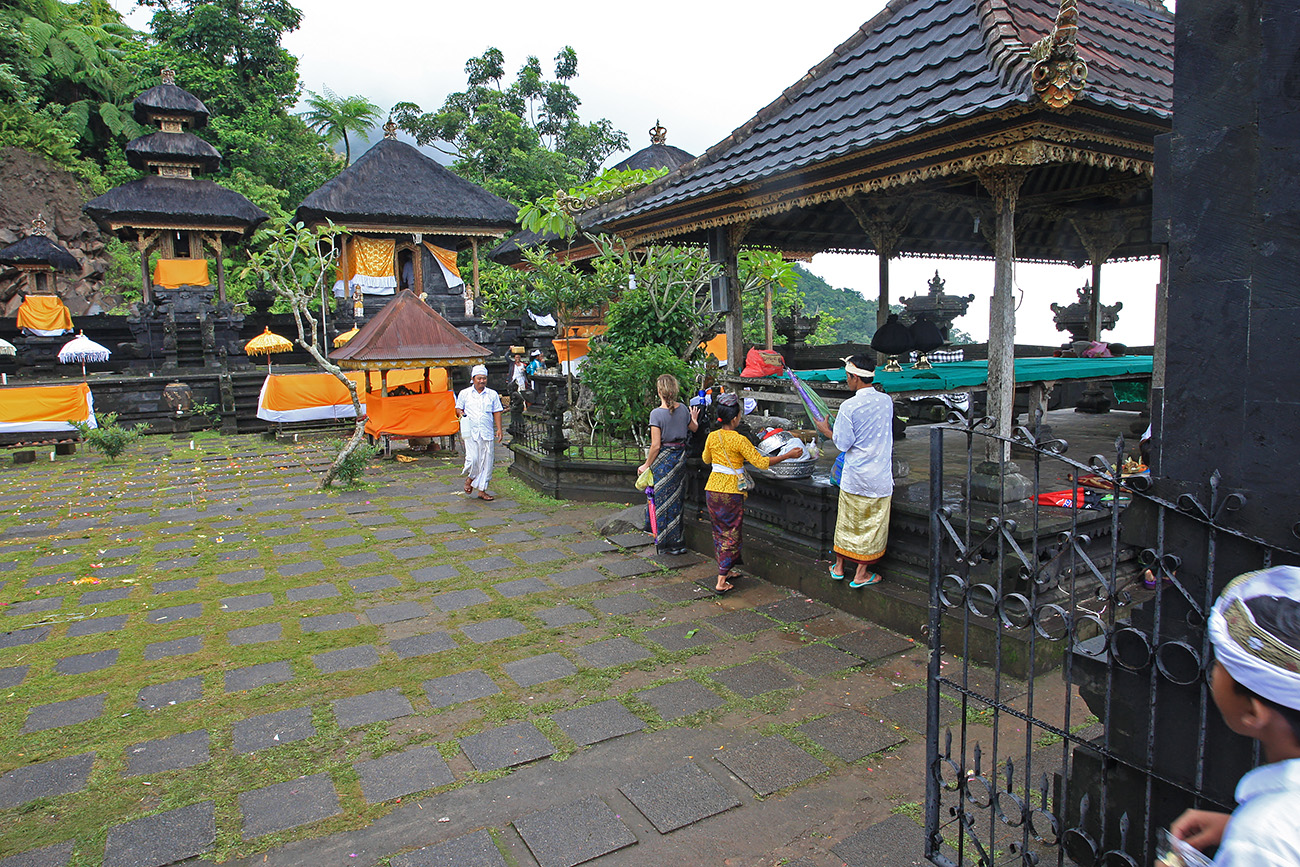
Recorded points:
(670, 424)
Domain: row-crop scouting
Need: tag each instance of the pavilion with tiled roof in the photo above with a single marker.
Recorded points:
(1002, 129)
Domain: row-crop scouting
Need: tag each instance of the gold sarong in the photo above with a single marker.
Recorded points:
(862, 527)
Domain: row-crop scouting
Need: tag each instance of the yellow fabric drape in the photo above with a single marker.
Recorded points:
(174, 273)
(371, 257)
(44, 313)
(445, 257)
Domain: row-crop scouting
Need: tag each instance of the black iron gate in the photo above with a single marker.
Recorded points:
(1069, 711)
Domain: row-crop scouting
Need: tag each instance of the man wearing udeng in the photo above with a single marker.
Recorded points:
(479, 408)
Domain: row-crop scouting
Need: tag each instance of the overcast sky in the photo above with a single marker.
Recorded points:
(702, 69)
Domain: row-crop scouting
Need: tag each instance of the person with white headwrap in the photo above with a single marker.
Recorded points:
(864, 432)
(479, 408)
(1255, 629)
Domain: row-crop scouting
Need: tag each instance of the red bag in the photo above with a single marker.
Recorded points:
(762, 362)
(1067, 499)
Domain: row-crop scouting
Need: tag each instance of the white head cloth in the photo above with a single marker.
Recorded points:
(850, 367)
(479, 370)
(1253, 656)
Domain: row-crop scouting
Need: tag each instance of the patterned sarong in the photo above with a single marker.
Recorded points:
(669, 470)
(726, 513)
(862, 528)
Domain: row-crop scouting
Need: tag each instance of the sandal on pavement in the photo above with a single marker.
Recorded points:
(486, 496)
(838, 576)
(469, 485)
(721, 590)
(872, 578)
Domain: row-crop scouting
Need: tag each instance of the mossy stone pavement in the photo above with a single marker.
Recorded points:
(203, 656)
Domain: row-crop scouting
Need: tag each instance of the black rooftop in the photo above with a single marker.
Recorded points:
(175, 202)
(656, 156)
(39, 250)
(171, 100)
(172, 147)
(394, 184)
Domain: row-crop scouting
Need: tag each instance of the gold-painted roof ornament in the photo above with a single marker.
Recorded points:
(39, 225)
(658, 133)
(168, 76)
(390, 128)
(1059, 72)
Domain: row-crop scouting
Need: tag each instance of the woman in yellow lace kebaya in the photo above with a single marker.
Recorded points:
(728, 451)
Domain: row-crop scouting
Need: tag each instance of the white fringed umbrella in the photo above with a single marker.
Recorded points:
(7, 348)
(82, 349)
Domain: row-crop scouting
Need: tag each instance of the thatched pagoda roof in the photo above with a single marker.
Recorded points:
(37, 250)
(393, 185)
(172, 148)
(902, 117)
(155, 202)
(172, 101)
(408, 333)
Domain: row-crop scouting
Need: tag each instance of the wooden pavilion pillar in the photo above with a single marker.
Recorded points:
(723, 245)
(1100, 238)
(470, 296)
(884, 221)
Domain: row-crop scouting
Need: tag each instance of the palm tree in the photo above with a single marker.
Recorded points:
(335, 116)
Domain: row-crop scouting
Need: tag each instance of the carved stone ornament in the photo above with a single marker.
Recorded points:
(1059, 72)
(658, 134)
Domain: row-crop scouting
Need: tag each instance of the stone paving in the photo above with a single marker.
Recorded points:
(206, 656)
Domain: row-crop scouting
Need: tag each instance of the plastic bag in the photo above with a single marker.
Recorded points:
(645, 480)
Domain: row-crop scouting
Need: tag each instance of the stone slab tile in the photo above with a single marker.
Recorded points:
(34, 606)
(742, 622)
(168, 754)
(375, 520)
(315, 591)
(345, 541)
(174, 613)
(429, 574)
(556, 530)
(103, 597)
(908, 708)
(288, 805)
(539, 669)
(542, 555)
(269, 729)
(506, 747)
(679, 796)
(753, 678)
(422, 645)
(819, 659)
(230, 556)
(45, 780)
(175, 585)
(56, 855)
(493, 630)
(576, 577)
(591, 546)
(13, 675)
(64, 713)
(623, 604)
(173, 692)
(83, 663)
(247, 603)
(895, 841)
(770, 764)
(455, 688)
(412, 552)
(682, 591)
(243, 576)
(328, 622)
(521, 587)
(680, 636)
(175, 647)
(89, 626)
(163, 838)
(255, 634)
(360, 710)
(355, 561)
(469, 850)
(851, 735)
(794, 609)
(634, 539)
(626, 567)
(458, 599)
(253, 676)
(374, 583)
(682, 698)
(306, 567)
(402, 774)
(598, 722)
(489, 564)
(573, 833)
(347, 659)
(395, 613)
(292, 548)
(47, 580)
(464, 544)
(392, 534)
(512, 537)
(563, 615)
(613, 651)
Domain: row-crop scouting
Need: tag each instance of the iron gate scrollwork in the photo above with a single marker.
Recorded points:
(1111, 730)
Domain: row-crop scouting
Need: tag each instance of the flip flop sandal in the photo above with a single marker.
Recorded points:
(486, 496)
(721, 590)
(872, 578)
(838, 576)
(469, 485)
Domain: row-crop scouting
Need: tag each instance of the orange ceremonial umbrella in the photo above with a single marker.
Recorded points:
(266, 343)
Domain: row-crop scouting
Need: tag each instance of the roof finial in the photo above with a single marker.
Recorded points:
(1059, 72)
(390, 128)
(168, 75)
(658, 135)
(39, 225)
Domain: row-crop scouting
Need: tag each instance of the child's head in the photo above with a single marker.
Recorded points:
(1255, 627)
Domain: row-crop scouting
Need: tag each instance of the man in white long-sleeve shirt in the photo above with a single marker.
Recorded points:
(864, 432)
(479, 408)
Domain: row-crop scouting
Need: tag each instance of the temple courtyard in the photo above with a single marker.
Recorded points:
(206, 656)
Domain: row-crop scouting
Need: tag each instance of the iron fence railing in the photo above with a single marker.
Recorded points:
(540, 428)
(1083, 766)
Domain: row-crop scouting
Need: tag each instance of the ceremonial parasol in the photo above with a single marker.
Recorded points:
(82, 349)
(7, 348)
(345, 337)
(266, 343)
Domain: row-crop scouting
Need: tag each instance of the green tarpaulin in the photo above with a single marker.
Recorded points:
(973, 374)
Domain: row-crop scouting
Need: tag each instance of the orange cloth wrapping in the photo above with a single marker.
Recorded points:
(717, 347)
(44, 314)
(172, 273)
(307, 397)
(568, 350)
(446, 258)
(412, 379)
(587, 330)
(416, 415)
(45, 408)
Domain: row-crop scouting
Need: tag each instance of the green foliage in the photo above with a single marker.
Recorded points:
(109, 439)
(623, 382)
(554, 214)
(521, 141)
(352, 466)
(550, 286)
(335, 116)
(758, 270)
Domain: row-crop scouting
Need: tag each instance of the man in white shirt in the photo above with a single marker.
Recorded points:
(864, 432)
(479, 408)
